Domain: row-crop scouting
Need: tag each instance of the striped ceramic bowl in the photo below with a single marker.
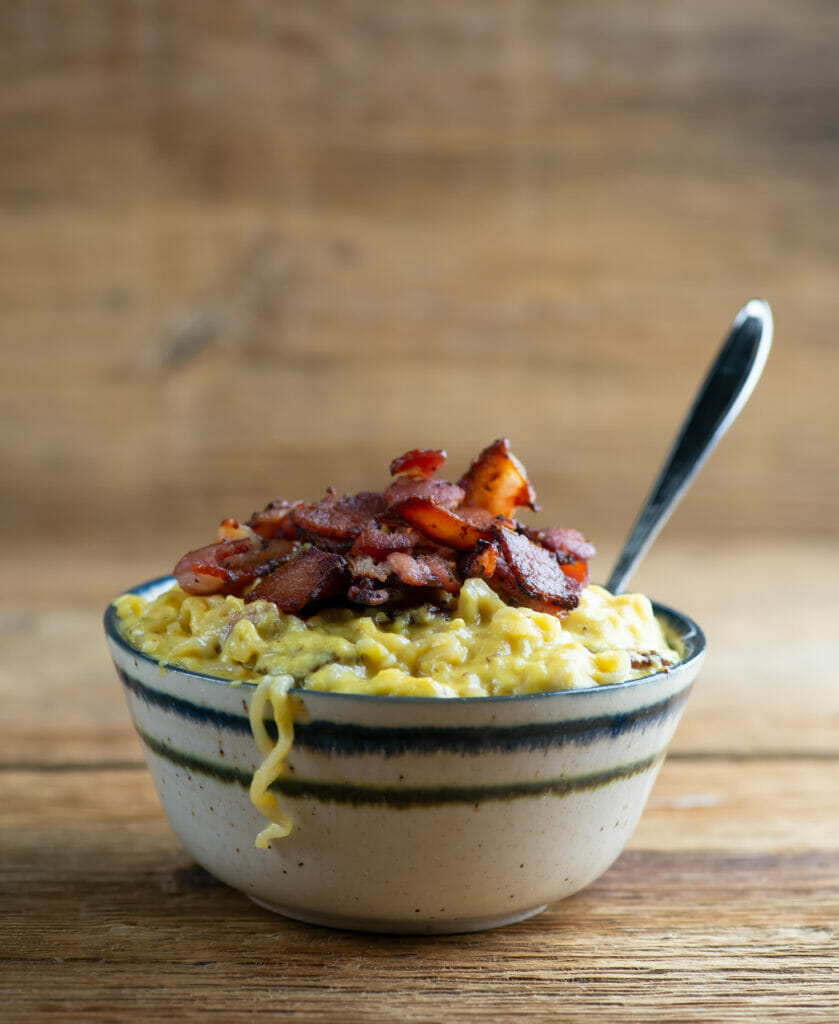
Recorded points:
(411, 814)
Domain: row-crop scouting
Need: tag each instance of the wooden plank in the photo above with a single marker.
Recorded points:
(605, 953)
(106, 919)
(744, 805)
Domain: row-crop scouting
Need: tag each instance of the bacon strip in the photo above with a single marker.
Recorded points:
(229, 565)
(424, 571)
(379, 543)
(313, 575)
(481, 562)
(440, 524)
(275, 520)
(338, 520)
(497, 481)
(363, 567)
(365, 593)
(576, 571)
(445, 494)
(202, 571)
(418, 462)
(564, 542)
(420, 536)
(532, 575)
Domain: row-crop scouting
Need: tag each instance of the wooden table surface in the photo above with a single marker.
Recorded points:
(725, 905)
(250, 249)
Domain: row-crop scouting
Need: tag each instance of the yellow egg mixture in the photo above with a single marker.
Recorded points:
(477, 646)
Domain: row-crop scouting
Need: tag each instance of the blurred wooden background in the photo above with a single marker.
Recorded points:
(250, 249)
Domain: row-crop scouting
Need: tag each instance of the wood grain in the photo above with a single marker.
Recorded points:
(250, 249)
(128, 925)
(606, 953)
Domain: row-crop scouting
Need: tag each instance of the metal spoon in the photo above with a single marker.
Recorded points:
(729, 383)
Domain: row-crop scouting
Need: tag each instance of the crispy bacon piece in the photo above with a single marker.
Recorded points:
(313, 575)
(229, 565)
(418, 462)
(485, 520)
(420, 570)
(445, 494)
(570, 543)
(377, 542)
(337, 520)
(423, 571)
(203, 570)
(365, 567)
(440, 524)
(576, 571)
(497, 482)
(531, 575)
(275, 520)
(365, 593)
(481, 562)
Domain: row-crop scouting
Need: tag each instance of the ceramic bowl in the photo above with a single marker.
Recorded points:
(412, 815)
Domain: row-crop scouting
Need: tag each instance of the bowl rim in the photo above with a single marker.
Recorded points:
(690, 635)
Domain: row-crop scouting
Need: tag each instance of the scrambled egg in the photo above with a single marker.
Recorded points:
(477, 647)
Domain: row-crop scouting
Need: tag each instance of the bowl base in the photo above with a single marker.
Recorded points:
(444, 926)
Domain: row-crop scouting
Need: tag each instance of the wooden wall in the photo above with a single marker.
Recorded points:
(248, 249)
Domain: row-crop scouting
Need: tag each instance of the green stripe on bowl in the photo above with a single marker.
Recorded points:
(402, 797)
(351, 739)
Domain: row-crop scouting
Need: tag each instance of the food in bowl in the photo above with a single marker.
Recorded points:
(426, 590)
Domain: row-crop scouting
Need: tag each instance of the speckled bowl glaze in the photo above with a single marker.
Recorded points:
(412, 815)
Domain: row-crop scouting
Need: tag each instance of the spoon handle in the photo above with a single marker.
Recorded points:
(723, 394)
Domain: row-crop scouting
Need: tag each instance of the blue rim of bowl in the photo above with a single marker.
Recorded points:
(689, 635)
